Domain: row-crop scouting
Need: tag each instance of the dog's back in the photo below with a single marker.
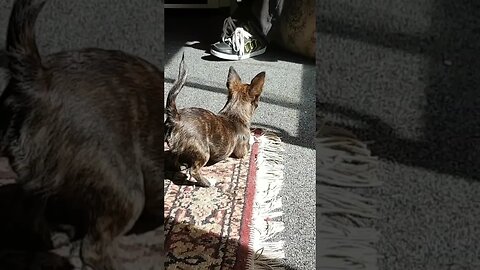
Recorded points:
(69, 98)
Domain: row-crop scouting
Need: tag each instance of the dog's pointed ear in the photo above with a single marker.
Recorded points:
(233, 77)
(256, 86)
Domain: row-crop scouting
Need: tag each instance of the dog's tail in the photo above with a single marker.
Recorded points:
(24, 260)
(23, 56)
(171, 108)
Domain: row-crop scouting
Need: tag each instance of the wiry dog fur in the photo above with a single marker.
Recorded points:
(84, 128)
(198, 137)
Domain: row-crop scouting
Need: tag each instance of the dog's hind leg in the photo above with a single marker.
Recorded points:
(113, 218)
(153, 175)
(194, 161)
(97, 253)
(100, 244)
(195, 173)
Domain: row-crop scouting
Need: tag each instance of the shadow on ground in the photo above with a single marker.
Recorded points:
(451, 134)
(176, 33)
(284, 135)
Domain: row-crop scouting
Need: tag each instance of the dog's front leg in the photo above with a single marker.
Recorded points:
(242, 146)
(201, 181)
(241, 149)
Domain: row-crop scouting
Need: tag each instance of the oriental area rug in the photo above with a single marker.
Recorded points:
(234, 223)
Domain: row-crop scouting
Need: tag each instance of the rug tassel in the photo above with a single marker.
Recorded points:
(343, 162)
(269, 253)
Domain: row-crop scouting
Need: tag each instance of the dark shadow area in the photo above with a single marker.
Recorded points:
(177, 34)
(431, 155)
(23, 226)
(278, 54)
(290, 105)
(285, 136)
(27, 221)
(377, 35)
(25, 232)
(452, 116)
(3, 59)
(4, 74)
(188, 237)
(178, 177)
(146, 224)
(306, 117)
(451, 135)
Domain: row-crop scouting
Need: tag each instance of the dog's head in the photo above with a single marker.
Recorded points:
(243, 98)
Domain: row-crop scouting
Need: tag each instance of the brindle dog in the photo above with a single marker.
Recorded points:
(84, 128)
(198, 137)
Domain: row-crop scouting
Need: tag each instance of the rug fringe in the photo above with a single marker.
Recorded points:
(344, 162)
(268, 251)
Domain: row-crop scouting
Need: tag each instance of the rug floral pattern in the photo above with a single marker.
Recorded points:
(204, 225)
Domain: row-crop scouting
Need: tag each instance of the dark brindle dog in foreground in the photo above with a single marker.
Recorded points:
(197, 137)
(84, 128)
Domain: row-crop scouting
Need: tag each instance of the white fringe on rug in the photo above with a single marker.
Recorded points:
(343, 163)
(267, 206)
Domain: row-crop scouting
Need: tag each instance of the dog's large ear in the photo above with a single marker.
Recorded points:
(233, 77)
(256, 86)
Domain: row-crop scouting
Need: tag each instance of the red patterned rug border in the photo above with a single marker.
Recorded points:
(245, 253)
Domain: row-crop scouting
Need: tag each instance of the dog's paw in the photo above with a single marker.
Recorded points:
(212, 182)
(204, 182)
